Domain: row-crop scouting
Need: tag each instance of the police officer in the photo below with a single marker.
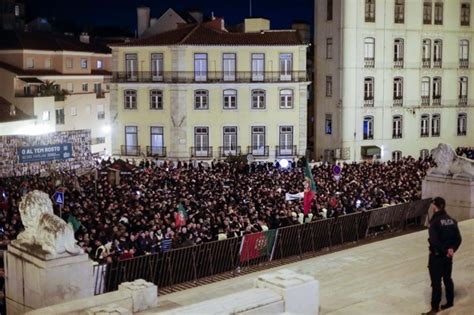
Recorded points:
(444, 240)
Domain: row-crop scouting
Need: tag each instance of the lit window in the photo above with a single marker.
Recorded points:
(130, 99)
(84, 63)
(100, 64)
(230, 99)
(328, 124)
(46, 115)
(286, 98)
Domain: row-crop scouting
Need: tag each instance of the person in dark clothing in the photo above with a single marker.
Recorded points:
(444, 240)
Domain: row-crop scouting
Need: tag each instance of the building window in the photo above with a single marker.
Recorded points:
(59, 116)
(368, 128)
(399, 11)
(435, 125)
(369, 52)
(285, 141)
(424, 127)
(156, 99)
(369, 91)
(398, 91)
(100, 64)
(329, 48)
(47, 63)
(157, 141)
(157, 68)
(258, 67)
(436, 91)
(130, 99)
(201, 141)
(462, 124)
(286, 66)
(286, 98)
(328, 124)
(70, 87)
(131, 66)
(100, 112)
(84, 63)
(229, 66)
(329, 5)
(69, 63)
(465, 14)
(425, 91)
(396, 156)
(438, 19)
(30, 63)
(370, 10)
(398, 52)
(73, 111)
(258, 99)
(437, 53)
(200, 67)
(258, 141)
(426, 53)
(425, 153)
(17, 10)
(397, 127)
(230, 99)
(201, 99)
(230, 140)
(85, 87)
(463, 88)
(131, 141)
(328, 86)
(427, 11)
(464, 54)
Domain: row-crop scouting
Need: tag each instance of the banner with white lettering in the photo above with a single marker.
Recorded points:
(42, 153)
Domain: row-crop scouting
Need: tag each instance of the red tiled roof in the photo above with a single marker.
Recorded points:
(5, 112)
(206, 34)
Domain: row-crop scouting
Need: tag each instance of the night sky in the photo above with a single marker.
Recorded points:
(92, 13)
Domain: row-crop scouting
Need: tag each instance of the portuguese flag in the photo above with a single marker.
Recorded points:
(310, 189)
(258, 245)
(181, 216)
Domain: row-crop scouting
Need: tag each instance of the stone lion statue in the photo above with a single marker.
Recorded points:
(43, 228)
(449, 163)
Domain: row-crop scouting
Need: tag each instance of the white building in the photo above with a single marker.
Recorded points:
(393, 77)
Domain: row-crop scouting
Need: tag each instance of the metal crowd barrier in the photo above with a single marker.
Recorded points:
(190, 264)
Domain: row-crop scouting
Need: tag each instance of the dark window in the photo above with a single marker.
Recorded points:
(329, 10)
(370, 10)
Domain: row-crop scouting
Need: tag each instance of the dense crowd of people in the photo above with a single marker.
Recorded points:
(219, 200)
(466, 152)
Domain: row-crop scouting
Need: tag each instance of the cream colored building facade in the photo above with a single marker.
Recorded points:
(82, 72)
(203, 92)
(393, 78)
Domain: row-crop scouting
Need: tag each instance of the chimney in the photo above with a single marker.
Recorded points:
(197, 15)
(252, 25)
(84, 38)
(143, 19)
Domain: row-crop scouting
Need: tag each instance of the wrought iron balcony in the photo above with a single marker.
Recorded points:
(130, 150)
(463, 63)
(369, 62)
(229, 151)
(259, 151)
(398, 63)
(398, 101)
(426, 63)
(154, 151)
(210, 77)
(369, 102)
(285, 150)
(424, 134)
(425, 101)
(462, 100)
(437, 63)
(437, 100)
(201, 152)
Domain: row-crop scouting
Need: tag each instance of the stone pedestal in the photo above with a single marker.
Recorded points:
(458, 193)
(35, 279)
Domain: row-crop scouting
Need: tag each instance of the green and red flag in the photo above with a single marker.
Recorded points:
(181, 216)
(258, 245)
(309, 189)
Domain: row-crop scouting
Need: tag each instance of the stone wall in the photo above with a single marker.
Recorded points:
(9, 165)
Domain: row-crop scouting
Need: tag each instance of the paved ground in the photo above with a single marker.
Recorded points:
(386, 277)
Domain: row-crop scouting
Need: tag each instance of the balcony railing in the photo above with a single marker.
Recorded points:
(425, 101)
(437, 100)
(438, 21)
(100, 94)
(369, 62)
(398, 101)
(259, 151)
(369, 102)
(210, 77)
(465, 22)
(424, 134)
(462, 100)
(396, 135)
(462, 132)
(463, 63)
(398, 63)
(201, 152)
(154, 151)
(285, 150)
(130, 150)
(229, 151)
(426, 63)
(437, 63)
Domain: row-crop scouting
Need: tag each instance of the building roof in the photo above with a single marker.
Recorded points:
(12, 40)
(44, 72)
(210, 34)
(5, 107)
